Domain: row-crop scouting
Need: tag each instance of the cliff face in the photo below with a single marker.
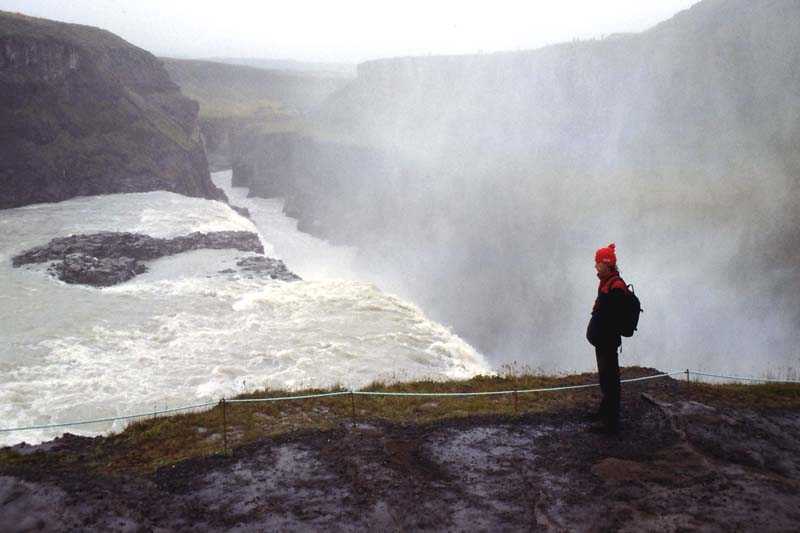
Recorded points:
(84, 113)
(309, 172)
(713, 83)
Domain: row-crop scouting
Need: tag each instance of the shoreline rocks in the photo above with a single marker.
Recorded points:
(94, 271)
(108, 258)
(267, 267)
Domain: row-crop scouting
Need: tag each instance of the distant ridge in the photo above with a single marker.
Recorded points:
(235, 98)
(345, 69)
(227, 89)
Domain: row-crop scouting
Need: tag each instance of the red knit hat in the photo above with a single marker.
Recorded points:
(606, 255)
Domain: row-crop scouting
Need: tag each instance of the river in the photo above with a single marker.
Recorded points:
(184, 333)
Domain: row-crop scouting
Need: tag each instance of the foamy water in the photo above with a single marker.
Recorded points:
(182, 333)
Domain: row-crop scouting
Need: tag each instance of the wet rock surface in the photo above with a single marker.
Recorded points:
(678, 465)
(97, 272)
(243, 211)
(265, 267)
(107, 258)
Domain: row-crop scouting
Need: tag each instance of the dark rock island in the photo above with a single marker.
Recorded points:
(108, 258)
(266, 267)
(83, 112)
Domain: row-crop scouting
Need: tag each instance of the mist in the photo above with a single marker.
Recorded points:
(480, 186)
(348, 31)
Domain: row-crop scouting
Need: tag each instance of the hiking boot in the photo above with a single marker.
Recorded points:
(594, 416)
(602, 428)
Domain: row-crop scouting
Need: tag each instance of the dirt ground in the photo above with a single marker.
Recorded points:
(678, 465)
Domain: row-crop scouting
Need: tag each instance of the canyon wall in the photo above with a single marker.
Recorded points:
(83, 112)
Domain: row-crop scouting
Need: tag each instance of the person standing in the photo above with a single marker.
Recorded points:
(603, 333)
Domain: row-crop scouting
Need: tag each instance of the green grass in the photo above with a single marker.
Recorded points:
(148, 444)
(767, 396)
(235, 91)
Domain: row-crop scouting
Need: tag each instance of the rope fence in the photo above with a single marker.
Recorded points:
(285, 398)
(111, 419)
(741, 378)
(353, 394)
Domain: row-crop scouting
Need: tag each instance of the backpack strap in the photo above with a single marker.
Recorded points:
(613, 279)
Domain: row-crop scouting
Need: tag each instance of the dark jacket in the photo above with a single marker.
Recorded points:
(604, 330)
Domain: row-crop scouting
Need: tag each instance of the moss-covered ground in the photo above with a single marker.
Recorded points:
(148, 444)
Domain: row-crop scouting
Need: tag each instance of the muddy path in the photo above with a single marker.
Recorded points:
(679, 465)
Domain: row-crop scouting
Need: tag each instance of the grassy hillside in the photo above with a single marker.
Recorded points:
(225, 90)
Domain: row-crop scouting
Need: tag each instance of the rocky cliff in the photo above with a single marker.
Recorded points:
(713, 83)
(83, 112)
(310, 171)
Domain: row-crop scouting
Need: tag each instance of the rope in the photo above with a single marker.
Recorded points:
(149, 413)
(322, 395)
(386, 393)
(489, 393)
(656, 376)
(743, 378)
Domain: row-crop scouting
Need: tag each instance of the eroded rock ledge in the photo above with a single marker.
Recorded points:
(108, 258)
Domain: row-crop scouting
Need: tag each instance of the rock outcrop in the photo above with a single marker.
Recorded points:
(107, 258)
(85, 269)
(264, 267)
(83, 113)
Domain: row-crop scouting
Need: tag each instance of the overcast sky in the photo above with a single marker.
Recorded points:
(350, 30)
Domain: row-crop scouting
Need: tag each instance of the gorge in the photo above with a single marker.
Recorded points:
(481, 185)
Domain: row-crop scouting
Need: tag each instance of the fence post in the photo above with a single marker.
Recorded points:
(688, 385)
(353, 407)
(224, 427)
(515, 402)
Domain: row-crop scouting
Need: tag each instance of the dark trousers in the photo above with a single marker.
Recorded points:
(608, 370)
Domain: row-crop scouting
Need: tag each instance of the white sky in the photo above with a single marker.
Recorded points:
(350, 30)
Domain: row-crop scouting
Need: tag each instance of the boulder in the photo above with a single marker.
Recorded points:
(97, 272)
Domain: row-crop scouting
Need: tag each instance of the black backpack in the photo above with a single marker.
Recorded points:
(630, 310)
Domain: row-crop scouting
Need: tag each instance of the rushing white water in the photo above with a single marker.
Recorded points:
(183, 333)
